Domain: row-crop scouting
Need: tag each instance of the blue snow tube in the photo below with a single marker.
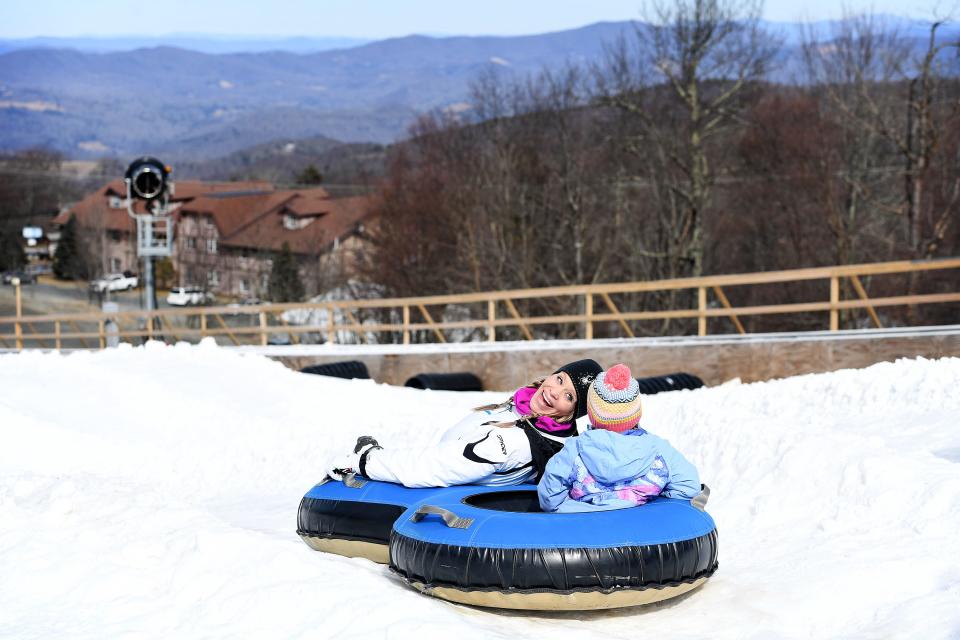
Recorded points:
(493, 547)
(354, 518)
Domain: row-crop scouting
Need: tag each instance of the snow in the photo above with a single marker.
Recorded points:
(152, 492)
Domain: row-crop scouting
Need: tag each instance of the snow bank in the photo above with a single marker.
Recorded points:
(152, 492)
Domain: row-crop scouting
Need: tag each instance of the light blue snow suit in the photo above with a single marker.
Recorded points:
(603, 470)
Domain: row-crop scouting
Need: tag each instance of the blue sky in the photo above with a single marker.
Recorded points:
(363, 18)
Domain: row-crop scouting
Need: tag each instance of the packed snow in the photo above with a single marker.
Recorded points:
(152, 492)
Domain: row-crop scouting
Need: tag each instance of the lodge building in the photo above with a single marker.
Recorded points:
(226, 235)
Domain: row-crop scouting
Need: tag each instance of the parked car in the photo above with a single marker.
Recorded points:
(39, 268)
(115, 282)
(25, 277)
(184, 296)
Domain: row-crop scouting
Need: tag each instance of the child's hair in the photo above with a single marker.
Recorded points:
(497, 406)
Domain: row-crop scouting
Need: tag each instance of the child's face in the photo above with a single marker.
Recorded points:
(556, 397)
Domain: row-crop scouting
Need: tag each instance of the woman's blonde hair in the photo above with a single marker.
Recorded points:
(506, 403)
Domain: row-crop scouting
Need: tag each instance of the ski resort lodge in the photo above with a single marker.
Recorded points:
(227, 234)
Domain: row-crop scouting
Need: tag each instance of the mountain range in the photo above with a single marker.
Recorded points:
(204, 43)
(187, 104)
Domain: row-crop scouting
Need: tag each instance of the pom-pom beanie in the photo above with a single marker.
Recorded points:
(613, 401)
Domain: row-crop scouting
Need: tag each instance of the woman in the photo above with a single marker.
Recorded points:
(503, 444)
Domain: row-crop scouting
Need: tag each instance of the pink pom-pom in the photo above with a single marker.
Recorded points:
(617, 377)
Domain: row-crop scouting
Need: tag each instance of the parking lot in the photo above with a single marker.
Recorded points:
(50, 296)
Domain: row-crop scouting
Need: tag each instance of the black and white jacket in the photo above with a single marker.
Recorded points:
(473, 451)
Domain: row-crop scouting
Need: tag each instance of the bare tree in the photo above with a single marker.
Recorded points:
(894, 104)
(851, 70)
(682, 78)
(929, 110)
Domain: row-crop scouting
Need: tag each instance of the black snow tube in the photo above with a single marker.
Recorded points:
(460, 381)
(348, 369)
(669, 382)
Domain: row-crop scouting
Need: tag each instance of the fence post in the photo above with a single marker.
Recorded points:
(701, 307)
(56, 330)
(203, 325)
(17, 329)
(263, 328)
(588, 308)
(491, 316)
(100, 330)
(406, 324)
(834, 299)
(331, 334)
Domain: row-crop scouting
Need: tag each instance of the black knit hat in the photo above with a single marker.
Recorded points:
(582, 373)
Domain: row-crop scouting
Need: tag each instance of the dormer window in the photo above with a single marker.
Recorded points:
(293, 223)
(115, 202)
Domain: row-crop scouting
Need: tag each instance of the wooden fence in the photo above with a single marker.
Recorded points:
(462, 317)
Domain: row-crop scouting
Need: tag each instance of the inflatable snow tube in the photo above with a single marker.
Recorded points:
(669, 382)
(459, 381)
(348, 369)
(354, 518)
(492, 547)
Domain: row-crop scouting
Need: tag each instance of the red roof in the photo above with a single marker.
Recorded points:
(340, 218)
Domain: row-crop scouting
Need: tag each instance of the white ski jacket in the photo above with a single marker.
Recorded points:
(473, 451)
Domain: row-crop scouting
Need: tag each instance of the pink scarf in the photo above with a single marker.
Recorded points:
(521, 400)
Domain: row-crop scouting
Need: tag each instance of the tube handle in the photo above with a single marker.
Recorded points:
(449, 517)
(700, 500)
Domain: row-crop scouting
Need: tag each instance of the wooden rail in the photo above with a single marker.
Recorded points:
(390, 320)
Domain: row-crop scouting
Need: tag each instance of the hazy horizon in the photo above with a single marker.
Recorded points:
(369, 19)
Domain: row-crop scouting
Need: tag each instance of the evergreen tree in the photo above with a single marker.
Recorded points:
(310, 175)
(285, 284)
(164, 273)
(67, 261)
(11, 249)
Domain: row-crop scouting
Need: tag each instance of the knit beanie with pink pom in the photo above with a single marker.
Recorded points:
(613, 402)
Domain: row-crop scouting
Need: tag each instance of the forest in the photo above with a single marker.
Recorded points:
(674, 156)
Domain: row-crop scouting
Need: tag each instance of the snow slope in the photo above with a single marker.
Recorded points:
(152, 493)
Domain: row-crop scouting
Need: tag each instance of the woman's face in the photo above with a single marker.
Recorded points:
(556, 397)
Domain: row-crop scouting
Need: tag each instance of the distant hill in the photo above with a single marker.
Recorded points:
(194, 42)
(344, 167)
(187, 104)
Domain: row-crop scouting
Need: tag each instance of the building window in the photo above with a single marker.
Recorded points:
(294, 223)
(211, 245)
(244, 286)
(191, 243)
(115, 264)
(213, 278)
(115, 202)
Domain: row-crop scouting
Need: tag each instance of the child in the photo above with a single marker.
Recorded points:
(615, 464)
